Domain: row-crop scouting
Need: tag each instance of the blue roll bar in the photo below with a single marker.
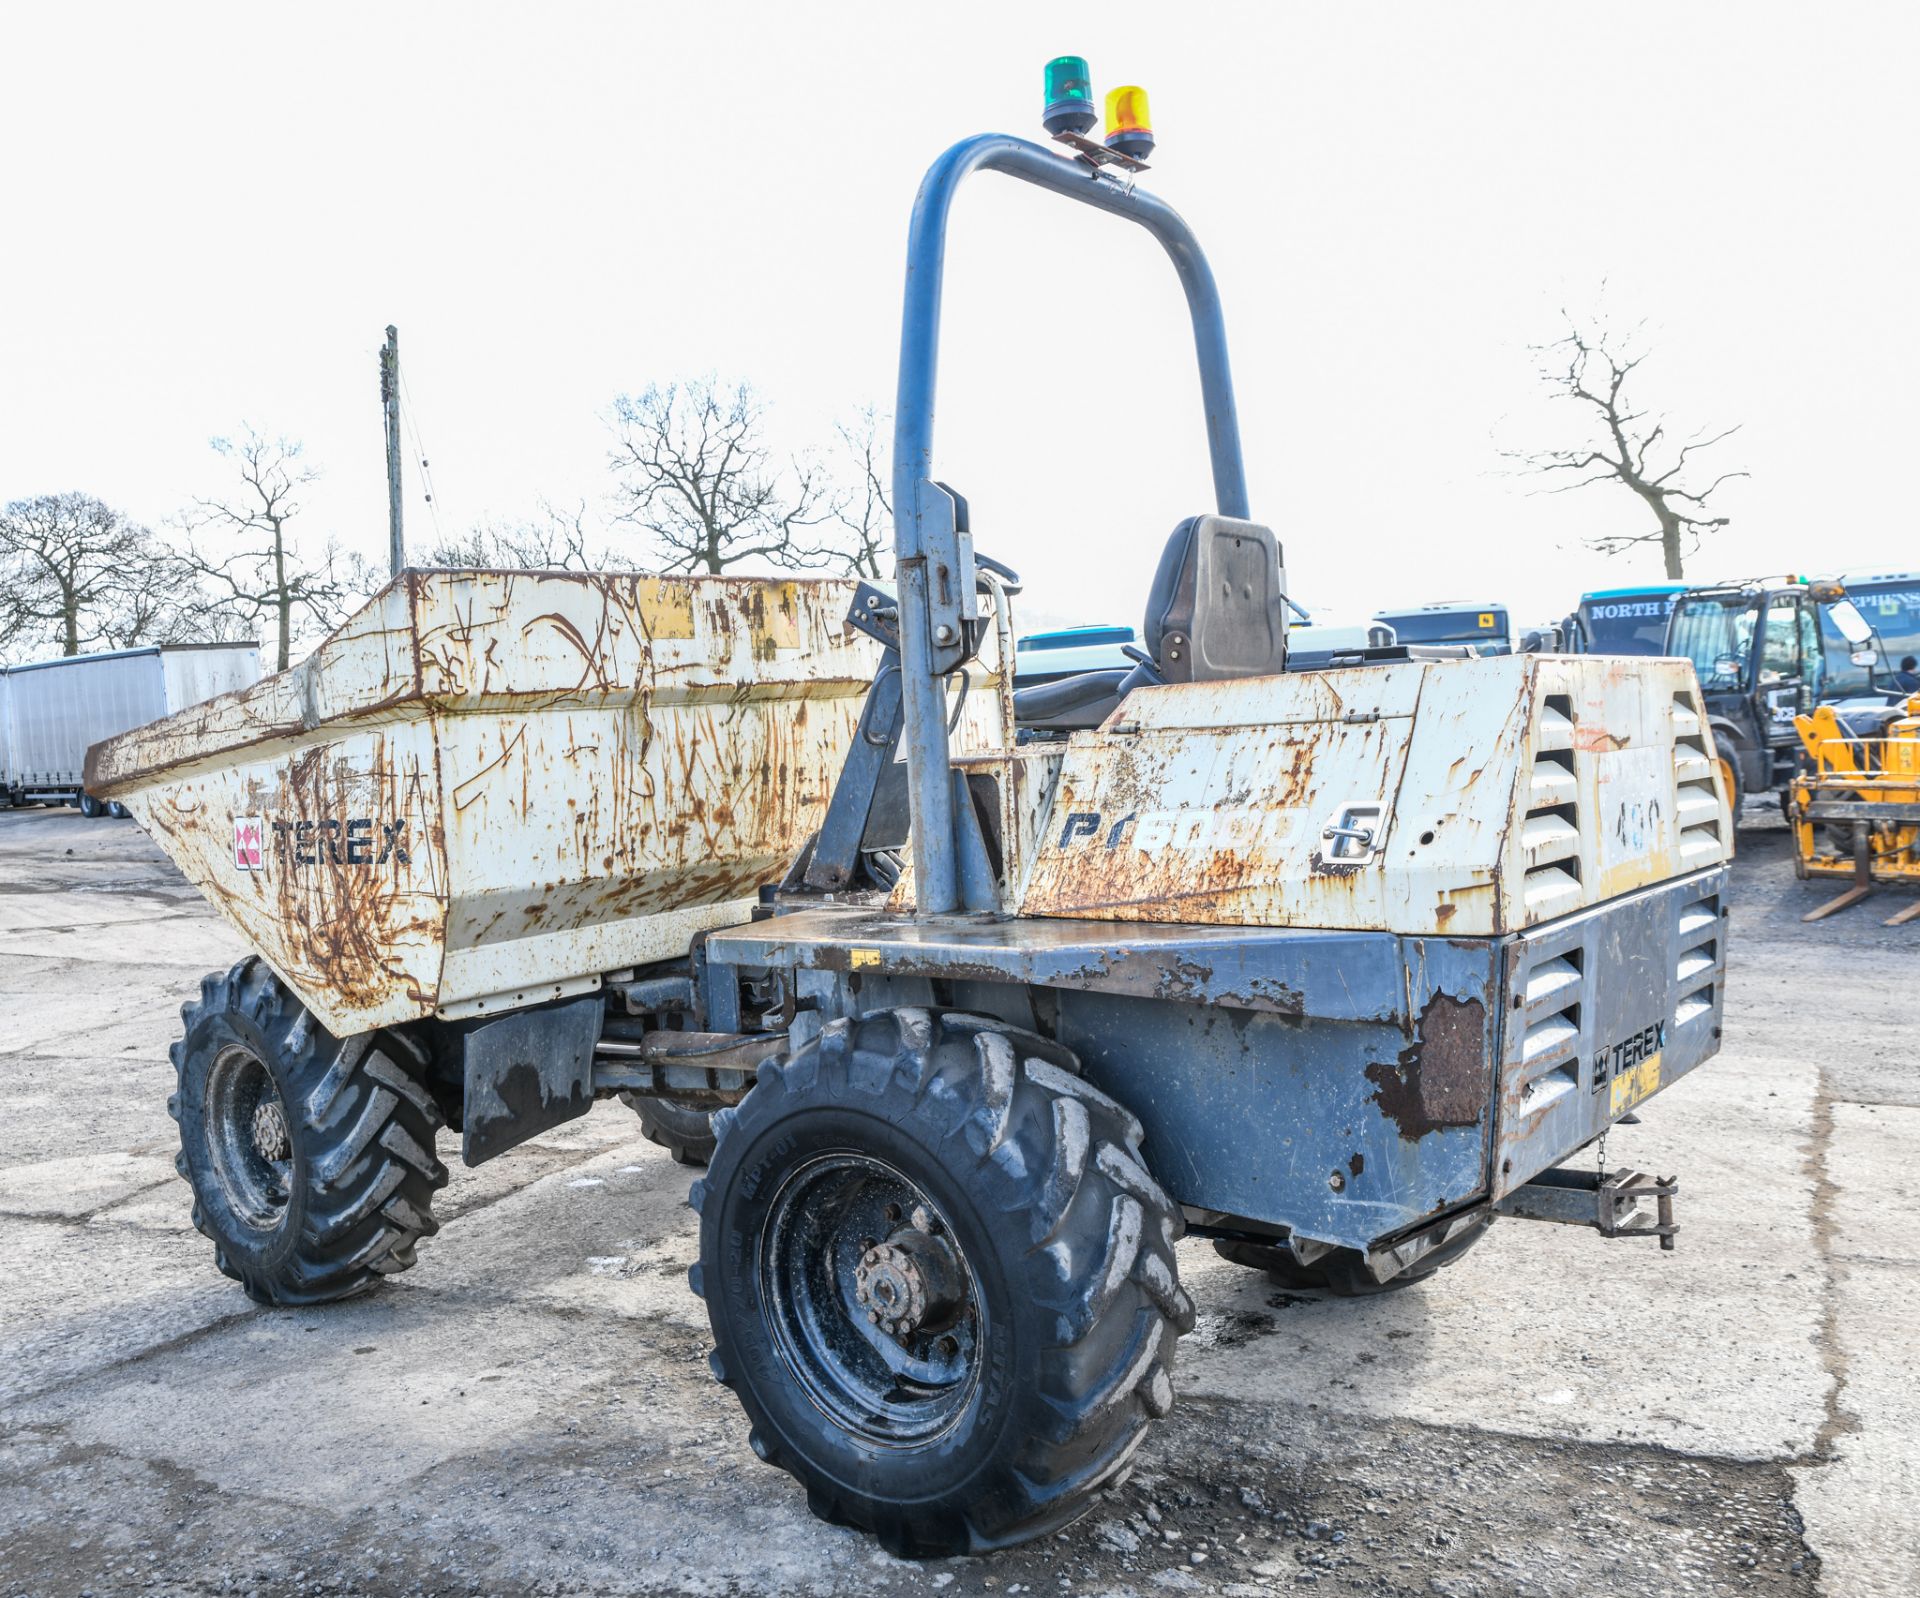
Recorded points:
(933, 566)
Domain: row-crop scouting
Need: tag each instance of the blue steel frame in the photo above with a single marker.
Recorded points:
(933, 564)
(1291, 1078)
(1351, 1087)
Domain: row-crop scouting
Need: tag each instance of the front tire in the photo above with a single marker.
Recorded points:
(940, 1279)
(310, 1156)
(91, 807)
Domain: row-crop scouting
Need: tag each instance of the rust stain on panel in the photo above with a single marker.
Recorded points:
(1439, 1079)
(623, 756)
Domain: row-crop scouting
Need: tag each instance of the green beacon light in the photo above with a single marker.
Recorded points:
(1070, 107)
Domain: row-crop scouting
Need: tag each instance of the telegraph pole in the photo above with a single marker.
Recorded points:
(390, 402)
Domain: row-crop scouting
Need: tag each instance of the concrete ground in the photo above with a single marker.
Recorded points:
(529, 1409)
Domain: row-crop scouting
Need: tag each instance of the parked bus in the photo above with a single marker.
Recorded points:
(1312, 645)
(1485, 627)
(1623, 621)
(1069, 651)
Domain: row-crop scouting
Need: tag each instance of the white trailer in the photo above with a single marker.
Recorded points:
(53, 711)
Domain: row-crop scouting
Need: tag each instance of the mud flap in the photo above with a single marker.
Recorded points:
(526, 1073)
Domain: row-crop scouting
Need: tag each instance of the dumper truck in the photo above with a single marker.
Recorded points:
(1334, 969)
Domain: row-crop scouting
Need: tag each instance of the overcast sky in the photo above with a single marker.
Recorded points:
(211, 214)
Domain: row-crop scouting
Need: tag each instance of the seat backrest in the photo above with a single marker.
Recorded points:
(1217, 608)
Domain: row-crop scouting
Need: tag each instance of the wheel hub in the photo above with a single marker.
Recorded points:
(870, 1299)
(910, 1284)
(249, 1143)
(269, 1129)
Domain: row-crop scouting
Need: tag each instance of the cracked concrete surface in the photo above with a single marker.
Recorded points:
(529, 1409)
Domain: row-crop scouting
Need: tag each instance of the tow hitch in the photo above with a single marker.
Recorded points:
(1613, 1203)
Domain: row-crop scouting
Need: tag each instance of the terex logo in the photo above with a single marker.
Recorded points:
(358, 841)
(333, 842)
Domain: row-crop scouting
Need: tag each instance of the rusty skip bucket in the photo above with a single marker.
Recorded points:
(488, 787)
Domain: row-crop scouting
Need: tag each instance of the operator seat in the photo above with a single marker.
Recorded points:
(1217, 610)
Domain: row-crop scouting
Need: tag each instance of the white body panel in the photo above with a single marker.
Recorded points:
(1495, 793)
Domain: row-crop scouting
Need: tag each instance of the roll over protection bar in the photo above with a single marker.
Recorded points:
(933, 553)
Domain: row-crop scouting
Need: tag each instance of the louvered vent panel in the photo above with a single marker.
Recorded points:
(1696, 801)
(1550, 997)
(1550, 830)
(1697, 959)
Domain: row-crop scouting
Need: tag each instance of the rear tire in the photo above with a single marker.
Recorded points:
(941, 1282)
(1342, 1273)
(684, 1132)
(310, 1157)
(91, 807)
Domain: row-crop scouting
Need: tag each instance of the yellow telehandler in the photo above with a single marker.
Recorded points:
(1856, 806)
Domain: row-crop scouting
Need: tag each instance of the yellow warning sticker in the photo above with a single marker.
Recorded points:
(666, 607)
(1634, 1084)
(863, 957)
(1486, 619)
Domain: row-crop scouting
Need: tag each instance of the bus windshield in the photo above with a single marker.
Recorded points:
(1626, 624)
(1483, 626)
(1892, 610)
(1715, 632)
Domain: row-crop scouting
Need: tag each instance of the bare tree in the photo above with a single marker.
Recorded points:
(864, 508)
(698, 475)
(551, 540)
(256, 572)
(80, 574)
(162, 602)
(1625, 443)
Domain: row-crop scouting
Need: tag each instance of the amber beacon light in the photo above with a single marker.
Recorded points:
(1129, 124)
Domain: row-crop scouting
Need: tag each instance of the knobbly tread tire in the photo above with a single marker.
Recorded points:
(1343, 1272)
(361, 1126)
(1091, 1308)
(686, 1134)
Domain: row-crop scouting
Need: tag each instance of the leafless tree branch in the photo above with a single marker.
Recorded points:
(77, 574)
(255, 571)
(863, 509)
(698, 477)
(1590, 366)
(552, 539)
